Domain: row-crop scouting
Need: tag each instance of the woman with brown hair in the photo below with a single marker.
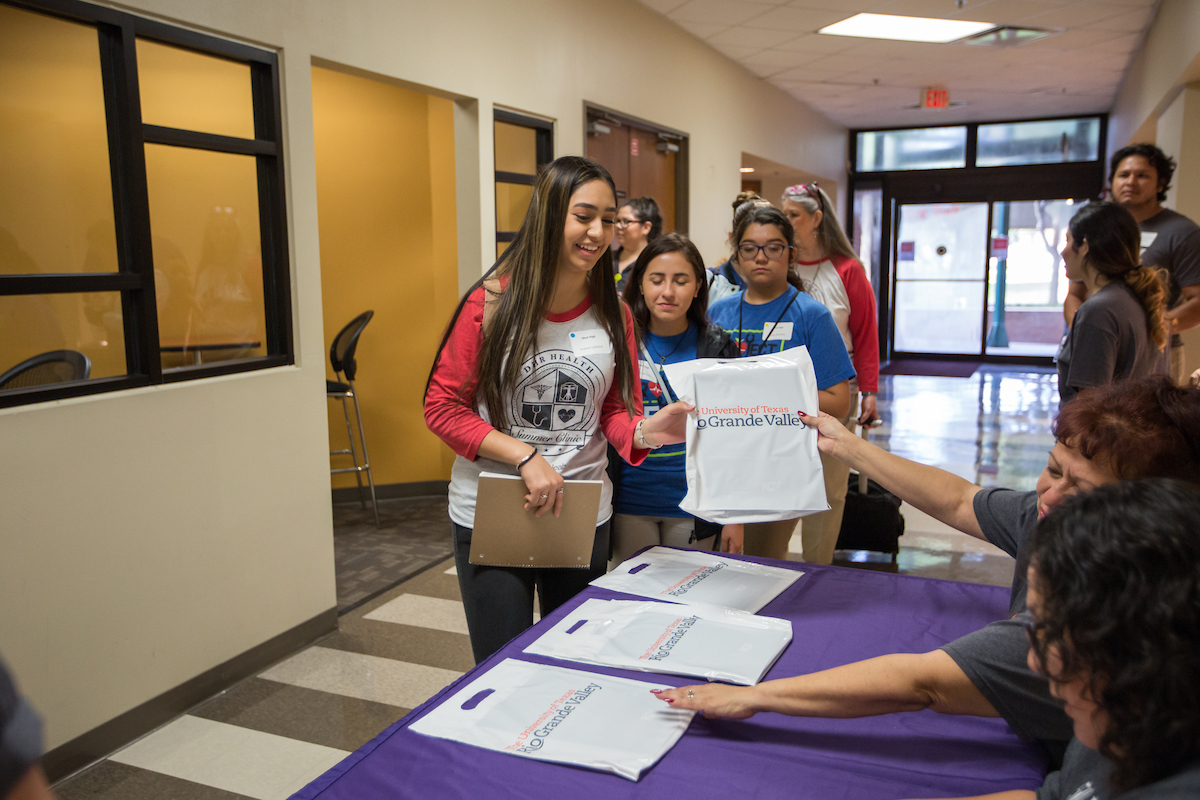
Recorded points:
(534, 377)
(1120, 331)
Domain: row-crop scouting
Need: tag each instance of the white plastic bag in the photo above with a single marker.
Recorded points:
(698, 577)
(750, 458)
(562, 715)
(720, 644)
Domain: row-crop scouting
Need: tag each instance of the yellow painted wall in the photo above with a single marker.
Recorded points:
(385, 206)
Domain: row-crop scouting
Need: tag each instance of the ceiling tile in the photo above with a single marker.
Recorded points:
(816, 43)
(1136, 20)
(1077, 15)
(662, 6)
(798, 20)
(751, 37)
(847, 9)
(771, 62)
(702, 30)
(718, 12)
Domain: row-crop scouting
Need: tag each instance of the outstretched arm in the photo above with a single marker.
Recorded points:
(883, 685)
(940, 494)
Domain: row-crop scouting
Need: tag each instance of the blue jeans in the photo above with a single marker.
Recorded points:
(499, 600)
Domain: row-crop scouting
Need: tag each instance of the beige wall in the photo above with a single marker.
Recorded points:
(1159, 101)
(153, 534)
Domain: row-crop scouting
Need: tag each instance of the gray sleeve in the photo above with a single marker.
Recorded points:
(20, 735)
(1185, 258)
(1004, 516)
(994, 659)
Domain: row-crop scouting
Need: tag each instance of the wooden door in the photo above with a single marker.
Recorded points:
(652, 173)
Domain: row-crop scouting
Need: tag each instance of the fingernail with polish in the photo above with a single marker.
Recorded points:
(801, 413)
(656, 691)
(669, 700)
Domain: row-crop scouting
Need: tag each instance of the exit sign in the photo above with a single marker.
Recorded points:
(935, 98)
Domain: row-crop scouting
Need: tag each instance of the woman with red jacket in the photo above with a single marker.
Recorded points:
(833, 275)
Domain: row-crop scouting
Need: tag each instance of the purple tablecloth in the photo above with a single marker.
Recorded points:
(838, 615)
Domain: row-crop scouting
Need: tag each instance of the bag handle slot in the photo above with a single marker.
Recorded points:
(476, 700)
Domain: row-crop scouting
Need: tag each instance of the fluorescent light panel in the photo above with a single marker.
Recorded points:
(905, 29)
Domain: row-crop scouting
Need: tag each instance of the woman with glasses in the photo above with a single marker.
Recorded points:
(638, 223)
(667, 291)
(534, 378)
(833, 275)
(773, 314)
(1113, 624)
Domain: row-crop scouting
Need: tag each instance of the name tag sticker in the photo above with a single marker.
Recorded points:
(782, 330)
(1148, 238)
(590, 343)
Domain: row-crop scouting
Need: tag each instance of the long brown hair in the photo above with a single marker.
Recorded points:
(812, 198)
(529, 268)
(697, 313)
(1114, 250)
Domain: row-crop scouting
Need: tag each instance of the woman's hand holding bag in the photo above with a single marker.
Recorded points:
(668, 425)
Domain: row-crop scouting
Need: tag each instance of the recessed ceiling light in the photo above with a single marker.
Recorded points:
(747, 169)
(1009, 36)
(906, 29)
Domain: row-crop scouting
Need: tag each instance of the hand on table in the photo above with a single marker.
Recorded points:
(668, 425)
(714, 700)
(545, 486)
(732, 538)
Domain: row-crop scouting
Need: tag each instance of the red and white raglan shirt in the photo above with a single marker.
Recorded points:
(565, 403)
(840, 284)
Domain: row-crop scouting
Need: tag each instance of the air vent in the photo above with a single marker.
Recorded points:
(1008, 36)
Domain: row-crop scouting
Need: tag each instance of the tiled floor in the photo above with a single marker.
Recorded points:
(270, 735)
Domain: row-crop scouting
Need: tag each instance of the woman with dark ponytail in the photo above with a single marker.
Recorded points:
(1120, 332)
(535, 378)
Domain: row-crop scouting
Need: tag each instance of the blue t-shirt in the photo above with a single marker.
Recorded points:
(657, 486)
(805, 322)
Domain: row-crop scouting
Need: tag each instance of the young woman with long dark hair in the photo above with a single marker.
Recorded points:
(773, 313)
(667, 291)
(534, 377)
(1119, 332)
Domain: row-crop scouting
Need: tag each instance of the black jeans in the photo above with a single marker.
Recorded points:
(499, 600)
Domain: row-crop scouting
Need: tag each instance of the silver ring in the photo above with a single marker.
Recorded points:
(690, 695)
(545, 496)
(560, 491)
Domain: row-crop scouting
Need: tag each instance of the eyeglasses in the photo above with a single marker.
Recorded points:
(625, 223)
(749, 251)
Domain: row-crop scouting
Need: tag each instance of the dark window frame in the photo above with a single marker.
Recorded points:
(127, 137)
(1014, 183)
(544, 154)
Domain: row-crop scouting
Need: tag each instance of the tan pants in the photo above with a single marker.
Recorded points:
(633, 532)
(769, 539)
(819, 532)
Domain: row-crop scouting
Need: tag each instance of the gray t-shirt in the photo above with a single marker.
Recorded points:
(1007, 518)
(1108, 341)
(1172, 241)
(20, 735)
(994, 658)
(1084, 776)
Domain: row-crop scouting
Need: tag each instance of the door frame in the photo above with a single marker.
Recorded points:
(593, 112)
(971, 184)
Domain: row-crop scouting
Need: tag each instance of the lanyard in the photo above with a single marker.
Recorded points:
(662, 378)
(766, 334)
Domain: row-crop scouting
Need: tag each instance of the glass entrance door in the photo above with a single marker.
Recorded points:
(941, 276)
